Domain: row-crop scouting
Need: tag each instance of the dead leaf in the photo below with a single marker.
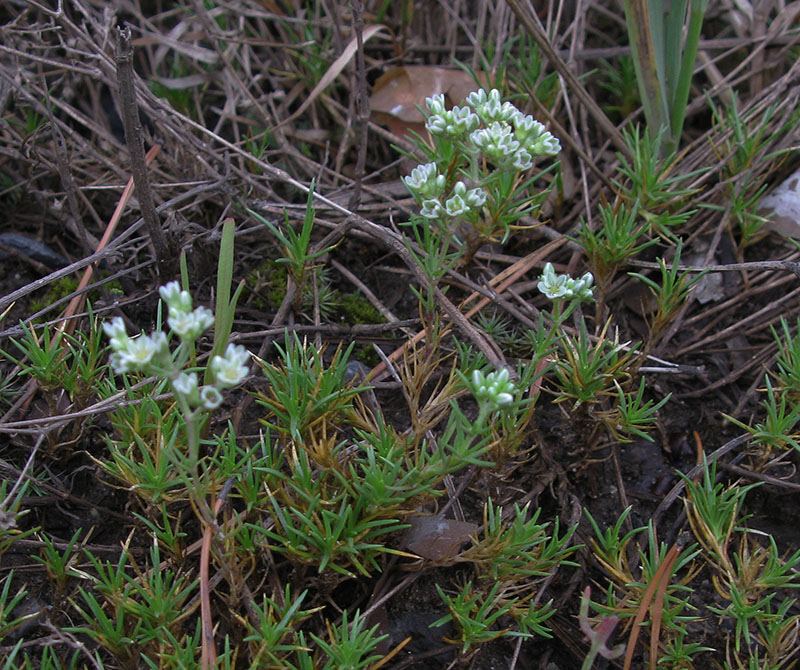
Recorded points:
(437, 538)
(400, 92)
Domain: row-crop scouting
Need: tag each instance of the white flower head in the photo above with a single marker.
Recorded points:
(231, 368)
(522, 160)
(115, 329)
(176, 299)
(497, 143)
(475, 197)
(436, 104)
(437, 124)
(490, 108)
(425, 181)
(563, 286)
(210, 397)
(118, 363)
(432, 209)
(463, 121)
(140, 351)
(455, 206)
(495, 388)
(187, 385)
(190, 325)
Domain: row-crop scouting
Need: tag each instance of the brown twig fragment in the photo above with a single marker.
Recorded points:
(656, 587)
(129, 111)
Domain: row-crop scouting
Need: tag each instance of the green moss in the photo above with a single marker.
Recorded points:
(366, 354)
(356, 309)
(55, 291)
(267, 284)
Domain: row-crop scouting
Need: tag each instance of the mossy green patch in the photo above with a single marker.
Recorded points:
(355, 309)
(56, 291)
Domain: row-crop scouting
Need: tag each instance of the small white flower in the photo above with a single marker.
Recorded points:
(497, 143)
(475, 197)
(547, 145)
(230, 369)
(436, 103)
(526, 126)
(190, 325)
(437, 124)
(522, 160)
(118, 363)
(563, 286)
(140, 351)
(187, 385)
(489, 106)
(552, 285)
(426, 181)
(455, 206)
(583, 286)
(176, 299)
(210, 397)
(115, 329)
(431, 209)
(534, 136)
(462, 122)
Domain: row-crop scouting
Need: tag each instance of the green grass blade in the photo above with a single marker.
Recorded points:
(645, 61)
(684, 81)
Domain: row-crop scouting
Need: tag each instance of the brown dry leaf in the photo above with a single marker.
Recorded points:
(437, 538)
(399, 92)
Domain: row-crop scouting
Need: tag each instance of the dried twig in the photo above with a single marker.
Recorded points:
(129, 111)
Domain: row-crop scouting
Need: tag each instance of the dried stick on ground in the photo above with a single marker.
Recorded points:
(133, 137)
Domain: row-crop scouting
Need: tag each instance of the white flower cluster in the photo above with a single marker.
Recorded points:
(563, 286)
(134, 354)
(428, 185)
(151, 354)
(185, 322)
(494, 389)
(508, 138)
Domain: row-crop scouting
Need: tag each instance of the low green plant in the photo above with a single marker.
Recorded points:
(9, 620)
(632, 414)
(12, 512)
(129, 614)
(350, 644)
(272, 636)
(477, 613)
(62, 363)
(59, 563)
(303, 389)
(778, 428)
(670, 293)
(660, 590)
(588, 372)
(335, 504)
(510, 561)
(744, 148)
(621, 236)
(651, 183)
(299, 259)
(746, 573)
(788, 360)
